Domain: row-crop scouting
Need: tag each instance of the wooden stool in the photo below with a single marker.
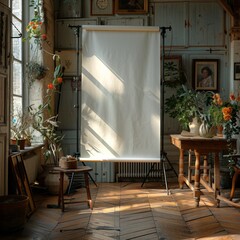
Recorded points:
(236, 167)
(81, 169)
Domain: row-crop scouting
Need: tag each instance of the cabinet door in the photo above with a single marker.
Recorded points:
(206, 24)
(174, 15)
(65, 37)
(4, 95)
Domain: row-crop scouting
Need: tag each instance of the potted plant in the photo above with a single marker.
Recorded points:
(21, 127)
(186, 105)
(35, 71)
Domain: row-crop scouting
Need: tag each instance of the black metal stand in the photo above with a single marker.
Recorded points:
(78, 87)
(163, 154)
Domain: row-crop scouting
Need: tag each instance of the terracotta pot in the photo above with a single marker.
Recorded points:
(52, 182)
(220, 130)
(21, 143)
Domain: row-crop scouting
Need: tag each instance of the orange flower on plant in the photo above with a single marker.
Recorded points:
(217, 99)
(227, 113)
(232, 97)
(59, 80)
(50, 86)
(44, 36)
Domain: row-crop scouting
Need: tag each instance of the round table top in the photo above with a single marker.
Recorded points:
(74, 170)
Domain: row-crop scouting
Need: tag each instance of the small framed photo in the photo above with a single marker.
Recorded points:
(237, 71)
(205, 74)
(102, 7)
(131, 6)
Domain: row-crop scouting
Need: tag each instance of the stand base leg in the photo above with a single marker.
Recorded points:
(163, 162)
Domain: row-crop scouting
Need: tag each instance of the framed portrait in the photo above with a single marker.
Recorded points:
(205, 74)
(102, 7)
(237, 71)
(131, 6)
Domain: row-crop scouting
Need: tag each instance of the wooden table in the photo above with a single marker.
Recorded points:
(201, 147)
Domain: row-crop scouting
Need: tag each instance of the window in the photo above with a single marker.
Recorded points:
(17, 64)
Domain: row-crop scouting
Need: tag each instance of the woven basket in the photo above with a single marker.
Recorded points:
(68, 162)
(13, 210)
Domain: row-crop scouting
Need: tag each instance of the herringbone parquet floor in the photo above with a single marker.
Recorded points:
(127, 211)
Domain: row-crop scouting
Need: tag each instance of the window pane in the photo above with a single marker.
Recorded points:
(17, 78)
(17, 8)
(16, 42)
(17, 103)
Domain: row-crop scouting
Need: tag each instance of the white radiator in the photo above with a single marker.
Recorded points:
(138, 170)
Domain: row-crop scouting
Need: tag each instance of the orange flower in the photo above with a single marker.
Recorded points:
(227, 113)
(217, 99)
(59, 80)
(50, 86)
(44, 36)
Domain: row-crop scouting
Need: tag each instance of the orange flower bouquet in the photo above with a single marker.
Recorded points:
(230, 112)
(225, 114)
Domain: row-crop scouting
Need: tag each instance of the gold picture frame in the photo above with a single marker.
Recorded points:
(205, 74)
(131, 6)
(100, 8)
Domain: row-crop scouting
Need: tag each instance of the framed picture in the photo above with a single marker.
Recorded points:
(22, 183)
(102, 7)
(69, 61)
(205, 74)
(237, 71)
(172, 66)
(131, 6)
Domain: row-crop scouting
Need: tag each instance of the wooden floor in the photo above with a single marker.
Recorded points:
(127, 211)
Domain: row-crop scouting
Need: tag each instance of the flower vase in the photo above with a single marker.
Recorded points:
(194, 126)
(206, 131)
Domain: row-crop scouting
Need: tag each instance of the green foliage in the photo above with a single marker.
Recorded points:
(187, 104)
(35, 71)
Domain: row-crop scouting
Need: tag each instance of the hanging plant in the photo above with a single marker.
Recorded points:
(35, 71)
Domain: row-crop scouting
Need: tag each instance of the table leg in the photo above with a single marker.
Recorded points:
(181, 168)
(217, 177)
(197, 179)
(61, 189)
(205, 168)
(88, 190)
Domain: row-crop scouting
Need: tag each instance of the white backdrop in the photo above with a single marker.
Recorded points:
(120, 115)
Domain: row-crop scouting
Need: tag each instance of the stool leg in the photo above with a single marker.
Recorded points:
(88, 190)
(234, 179)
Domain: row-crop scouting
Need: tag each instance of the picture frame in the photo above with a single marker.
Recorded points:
(237, 71)
(102, 8)
(131, 7)
(172, 66)
(205, 74)
(22, 182)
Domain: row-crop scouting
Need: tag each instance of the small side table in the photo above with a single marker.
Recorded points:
(81, 169)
